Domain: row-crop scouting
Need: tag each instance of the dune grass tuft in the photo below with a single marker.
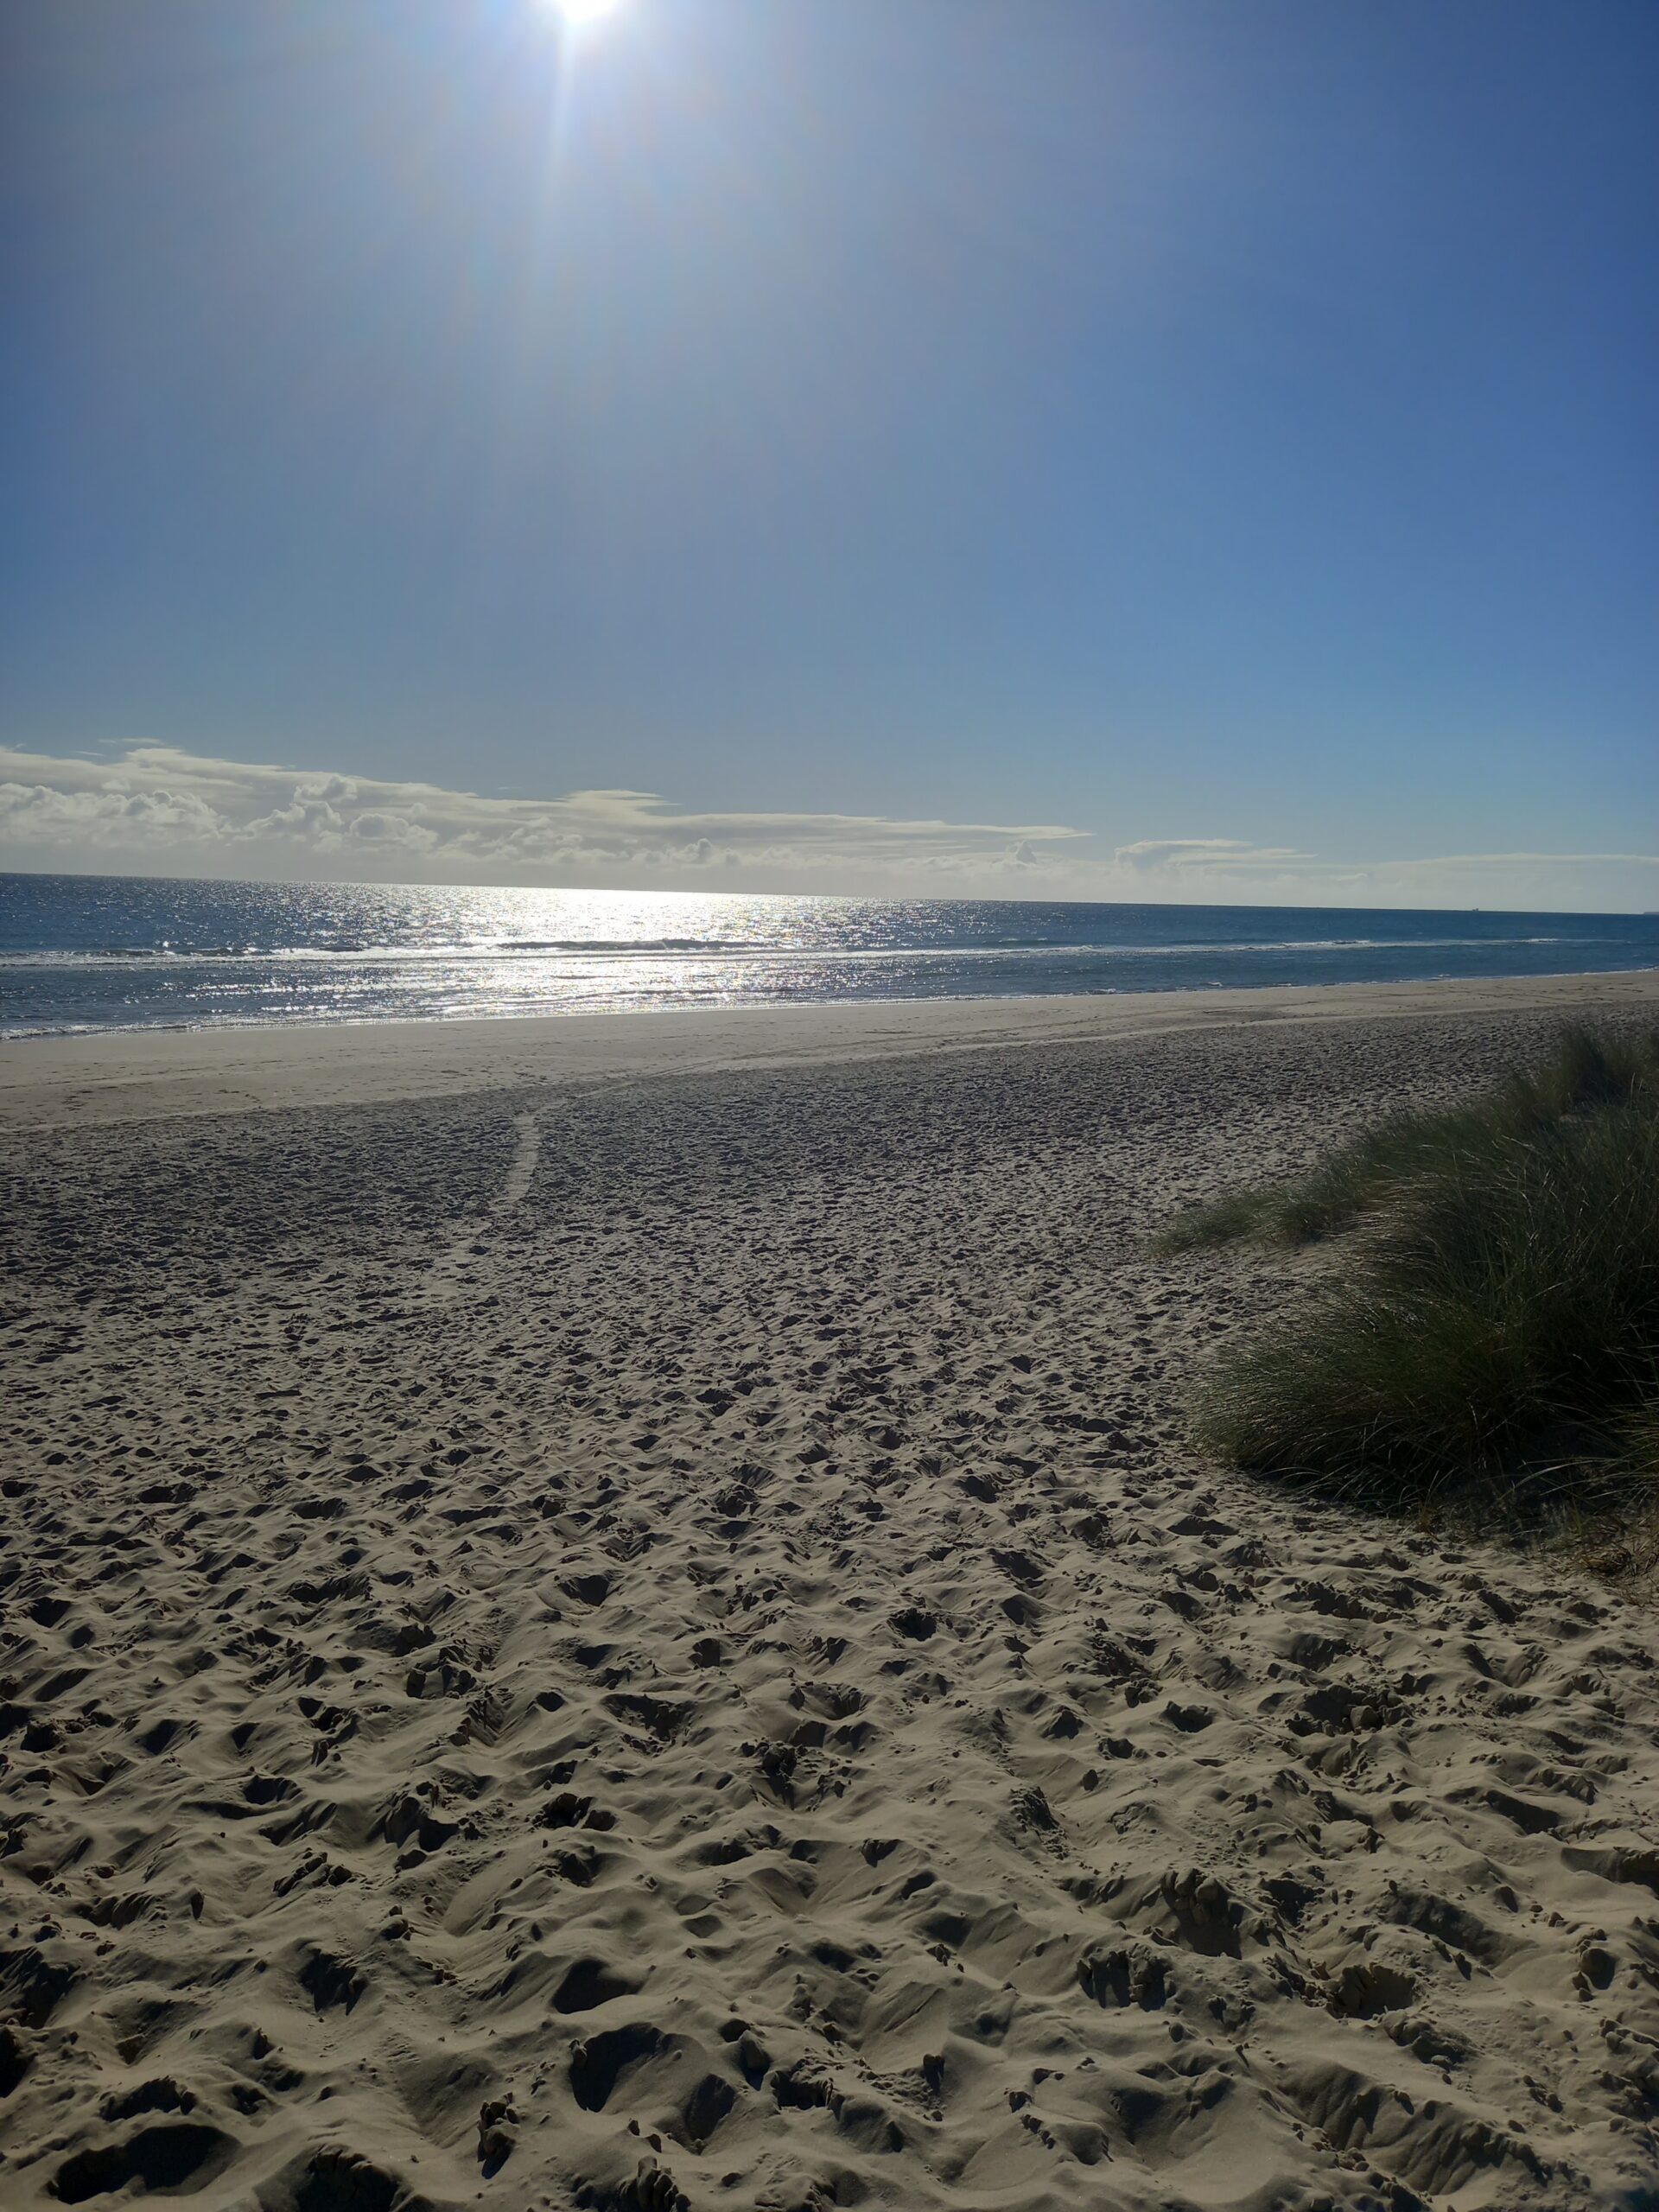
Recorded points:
(1586, 1074)
(1497, 1318)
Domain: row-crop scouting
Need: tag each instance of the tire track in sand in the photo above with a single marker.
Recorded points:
(454, 1269)
(529, 1152)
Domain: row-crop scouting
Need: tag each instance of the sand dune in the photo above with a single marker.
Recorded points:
(658, 1641)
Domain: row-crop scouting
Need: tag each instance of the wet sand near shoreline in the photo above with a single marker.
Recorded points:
(53, 1082)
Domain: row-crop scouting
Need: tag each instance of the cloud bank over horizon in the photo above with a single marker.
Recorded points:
(156, 809)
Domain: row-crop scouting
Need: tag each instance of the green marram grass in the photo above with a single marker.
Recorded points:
(1497, 1315)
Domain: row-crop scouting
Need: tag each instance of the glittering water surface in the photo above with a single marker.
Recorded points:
(96, 952)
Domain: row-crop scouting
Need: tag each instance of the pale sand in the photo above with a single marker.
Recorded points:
(62, 1081)
(671, 1613)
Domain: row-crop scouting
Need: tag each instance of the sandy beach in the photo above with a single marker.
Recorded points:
(619, 1613)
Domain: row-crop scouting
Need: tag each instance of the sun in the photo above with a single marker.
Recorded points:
(582, 11)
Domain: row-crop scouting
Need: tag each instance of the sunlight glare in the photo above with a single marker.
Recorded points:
(581, 11)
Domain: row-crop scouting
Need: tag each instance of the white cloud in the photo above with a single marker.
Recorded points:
(158, 807)
(1223, 854)
(1230, 870)
(381, 825)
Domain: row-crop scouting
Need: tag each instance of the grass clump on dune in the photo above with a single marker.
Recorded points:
(1498, 1314)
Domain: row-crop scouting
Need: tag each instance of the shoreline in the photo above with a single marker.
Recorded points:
(144, 1075)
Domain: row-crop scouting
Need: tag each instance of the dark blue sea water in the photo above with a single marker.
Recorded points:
(127, 952)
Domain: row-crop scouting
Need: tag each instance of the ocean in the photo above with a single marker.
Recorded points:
(81, 953)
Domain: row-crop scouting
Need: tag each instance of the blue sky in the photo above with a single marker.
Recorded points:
(845, 443)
